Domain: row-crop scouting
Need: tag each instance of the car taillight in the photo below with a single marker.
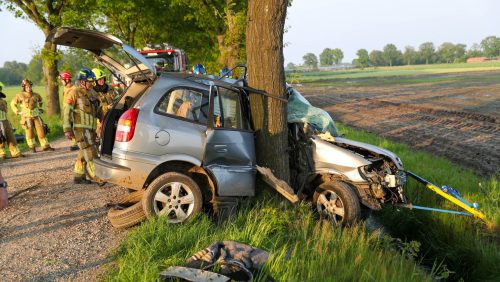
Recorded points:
(126, 125)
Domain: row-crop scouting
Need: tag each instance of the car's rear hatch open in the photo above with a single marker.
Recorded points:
(122, 60)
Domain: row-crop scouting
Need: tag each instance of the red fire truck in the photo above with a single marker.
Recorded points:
(166, 58)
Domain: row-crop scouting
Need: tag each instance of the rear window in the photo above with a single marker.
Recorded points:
(186, 104)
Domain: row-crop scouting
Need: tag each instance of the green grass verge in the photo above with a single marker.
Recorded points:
(304, 249)
(469, 248)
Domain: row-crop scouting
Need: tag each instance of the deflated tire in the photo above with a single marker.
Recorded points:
(128, 212)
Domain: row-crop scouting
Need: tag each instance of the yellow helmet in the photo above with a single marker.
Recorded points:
(98, 73)
(1, 85)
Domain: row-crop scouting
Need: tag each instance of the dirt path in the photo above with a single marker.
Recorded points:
(54, 230)
(460, 120)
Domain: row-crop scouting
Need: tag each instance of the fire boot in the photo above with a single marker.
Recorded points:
(81, 180)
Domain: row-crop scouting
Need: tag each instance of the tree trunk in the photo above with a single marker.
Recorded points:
(49, 60)
(264, 41)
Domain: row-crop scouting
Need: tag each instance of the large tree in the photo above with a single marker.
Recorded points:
(377, 58)
(326, 57)
(427, 51)
(264, 41)
(391, 54)
(447, 52)
(224, 21)
(310, 61)
(363, 59)
(491, 46)
(409, 55)
(48, 15)
(338, 55)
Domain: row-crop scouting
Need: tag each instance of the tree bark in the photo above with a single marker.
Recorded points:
(264, 41)
(49, 61)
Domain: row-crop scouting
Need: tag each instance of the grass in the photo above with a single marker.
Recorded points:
(465, 245)
(301, 247)
(397, 71)
(54, 122)
(305, 249)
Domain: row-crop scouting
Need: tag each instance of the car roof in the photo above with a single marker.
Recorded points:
(199, 80)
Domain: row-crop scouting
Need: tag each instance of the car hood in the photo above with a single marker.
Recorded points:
(372, 148)
(109, 50)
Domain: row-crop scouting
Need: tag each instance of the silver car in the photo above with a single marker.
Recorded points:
(187, 141)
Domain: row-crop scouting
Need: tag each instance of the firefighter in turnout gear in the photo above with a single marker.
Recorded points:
(66, 82)
(105, 95)
(80, 122)
(104, 92)
(7, 137)
(31, 109)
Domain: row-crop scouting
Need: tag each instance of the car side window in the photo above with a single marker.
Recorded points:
(185, 103)
(228, 111)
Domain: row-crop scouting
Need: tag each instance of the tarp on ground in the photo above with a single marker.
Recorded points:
(300, 110)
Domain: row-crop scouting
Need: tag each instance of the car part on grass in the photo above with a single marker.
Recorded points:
(235, 260)
(224, 207)
(173, 273)
(128, 211)
(338, 202)
(173, 195)
(451, 195)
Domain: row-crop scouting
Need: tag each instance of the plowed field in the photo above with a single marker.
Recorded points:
(452, 115)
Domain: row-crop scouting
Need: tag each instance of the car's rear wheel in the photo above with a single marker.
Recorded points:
(337, 202)
(173, 195)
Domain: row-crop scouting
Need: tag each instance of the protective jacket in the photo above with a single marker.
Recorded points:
(79, 111)
(31, 103)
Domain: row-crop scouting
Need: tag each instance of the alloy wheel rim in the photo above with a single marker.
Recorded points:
(330, 205)
(175, 201)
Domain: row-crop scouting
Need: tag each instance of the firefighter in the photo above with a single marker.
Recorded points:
(31, 109)
(66, 82)
(199, 69)
(80, 122)
(105, 93)
(6, 133)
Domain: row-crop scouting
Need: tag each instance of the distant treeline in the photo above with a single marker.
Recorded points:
(426, 53)
(72, 60)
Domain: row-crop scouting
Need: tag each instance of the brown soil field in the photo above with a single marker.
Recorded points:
(452, 115)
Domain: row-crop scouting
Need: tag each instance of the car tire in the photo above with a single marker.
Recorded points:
(337, 202)
(173, 195)
(133, 197)
(126, 217)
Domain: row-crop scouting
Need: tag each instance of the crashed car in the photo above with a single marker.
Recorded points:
(187, 141)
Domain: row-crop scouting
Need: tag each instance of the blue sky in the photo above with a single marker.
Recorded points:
(346, 24)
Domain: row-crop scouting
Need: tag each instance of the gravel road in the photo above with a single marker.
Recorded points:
(54, 230)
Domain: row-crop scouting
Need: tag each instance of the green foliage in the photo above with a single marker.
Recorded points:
(491, 46)
(409, 55)
(73, 60)
(35, 71)
(363, 59)
(13, 72)
(391, 54)
(326, 57)
(474, 51)
(310, 61)
(426, 50)
(338, 55)
(461, 244)
(377, 58)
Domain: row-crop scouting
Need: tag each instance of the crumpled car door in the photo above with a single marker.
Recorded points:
(230, 148)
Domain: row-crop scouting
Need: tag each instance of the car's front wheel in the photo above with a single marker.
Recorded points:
(173, 195)
(338, 202)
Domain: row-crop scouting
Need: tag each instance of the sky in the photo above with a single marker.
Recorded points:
(313, 25)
